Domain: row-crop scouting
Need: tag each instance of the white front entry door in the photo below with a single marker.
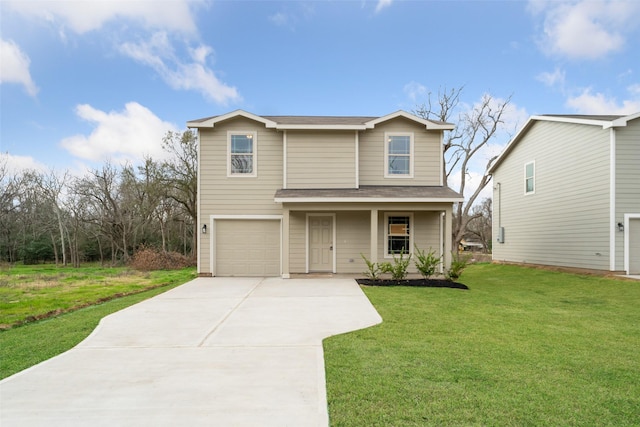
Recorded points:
(321, 243)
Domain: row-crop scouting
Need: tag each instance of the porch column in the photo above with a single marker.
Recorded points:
(284, 250)
(373, 257)
(448, 218)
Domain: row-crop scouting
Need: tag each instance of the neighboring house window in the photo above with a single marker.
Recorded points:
(398, 236)
(241, 153)
(398, 155)
(529, 178)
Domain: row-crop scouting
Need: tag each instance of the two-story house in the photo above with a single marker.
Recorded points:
(281, 195)
(567, 193)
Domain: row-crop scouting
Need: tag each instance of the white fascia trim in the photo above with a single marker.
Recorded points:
(574, 120)
(273, 217)
(627, 257)
(400, 113)
(612, 200)
(366, 200)
(285, 126)
(237, 113)
(622, 121)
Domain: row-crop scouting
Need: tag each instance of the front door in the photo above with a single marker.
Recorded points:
(321, 243)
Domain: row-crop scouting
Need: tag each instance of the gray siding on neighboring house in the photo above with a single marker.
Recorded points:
(566, 221)
(627, 179)
(224, 195)
(427, 154)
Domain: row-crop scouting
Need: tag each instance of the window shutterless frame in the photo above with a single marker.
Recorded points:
(398, 155)
(530, 178)
(242, 153)
(398, 233)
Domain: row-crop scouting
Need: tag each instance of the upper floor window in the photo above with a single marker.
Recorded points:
(241, 158)
(398, 155)
(530, 178)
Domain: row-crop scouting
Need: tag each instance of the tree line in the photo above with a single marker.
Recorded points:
(105, 215)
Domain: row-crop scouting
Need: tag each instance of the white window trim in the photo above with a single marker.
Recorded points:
(254, 173)
(387, 135)
(386, 231)
(528, 193)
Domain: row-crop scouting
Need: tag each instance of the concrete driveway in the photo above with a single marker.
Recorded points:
(212, 352)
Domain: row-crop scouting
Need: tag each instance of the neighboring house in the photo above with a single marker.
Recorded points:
(566, 192)
(280, 195)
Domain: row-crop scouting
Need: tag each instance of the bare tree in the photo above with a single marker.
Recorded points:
(52, 185)
(475, 128)
(181, 174)
(479, 225)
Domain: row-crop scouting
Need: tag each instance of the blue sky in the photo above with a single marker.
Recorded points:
(87, 81)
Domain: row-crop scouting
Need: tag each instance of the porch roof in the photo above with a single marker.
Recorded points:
(370, 193)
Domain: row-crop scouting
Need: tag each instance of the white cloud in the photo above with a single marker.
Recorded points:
(556, 78)
(18, 164)
(414, 90)
(382, 4)
(123, 136)
(85, 16)
(588, 102)
(585, 29)
(158, 53)
(14, 66)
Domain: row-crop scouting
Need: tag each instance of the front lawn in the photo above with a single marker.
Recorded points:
(521, 347)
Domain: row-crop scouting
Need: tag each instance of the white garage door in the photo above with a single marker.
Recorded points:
(247, 247)
(634, 246)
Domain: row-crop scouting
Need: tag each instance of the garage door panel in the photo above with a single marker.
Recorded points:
(634, 246)
(247, 248)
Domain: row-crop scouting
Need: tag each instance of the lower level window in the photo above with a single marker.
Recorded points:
(398, 234)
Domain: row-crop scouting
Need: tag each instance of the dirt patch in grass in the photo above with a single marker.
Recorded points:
(426, 283)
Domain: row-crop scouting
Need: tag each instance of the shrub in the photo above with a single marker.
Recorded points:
(458, 264)
(426, 263)
(148, 259)
(373, 269)
(398, 268)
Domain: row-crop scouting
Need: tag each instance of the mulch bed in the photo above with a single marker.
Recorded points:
(426, 283)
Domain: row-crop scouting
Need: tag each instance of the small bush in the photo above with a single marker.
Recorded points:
(398, 268)
(373, 269)
(149, 259)
(426, 263)
(458, 264)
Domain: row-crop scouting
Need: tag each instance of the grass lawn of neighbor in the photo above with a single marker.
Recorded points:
(521, 347)
(46, 310)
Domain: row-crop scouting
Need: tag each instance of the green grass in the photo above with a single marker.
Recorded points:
(31, 343)
(29, 293)
(522, 347)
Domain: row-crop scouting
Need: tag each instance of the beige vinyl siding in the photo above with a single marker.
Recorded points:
(297, 242)
(627, 179)
(353, 239)
(324, 159)
(566, 221)
(223, 195)
(426, 154)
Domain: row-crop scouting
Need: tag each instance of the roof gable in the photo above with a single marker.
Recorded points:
(318, 122)
(605, 121)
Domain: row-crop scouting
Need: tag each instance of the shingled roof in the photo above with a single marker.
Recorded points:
(368, 193)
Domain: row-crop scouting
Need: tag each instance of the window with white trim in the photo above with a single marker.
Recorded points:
(241, 153)
(530, 178)
(398, 237)
(398, 155)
